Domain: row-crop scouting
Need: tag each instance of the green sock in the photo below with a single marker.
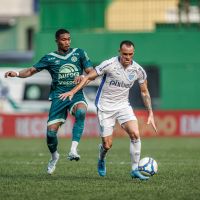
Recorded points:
(52, 141)
(78, 125)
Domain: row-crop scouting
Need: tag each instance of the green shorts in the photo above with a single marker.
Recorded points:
(59, 108)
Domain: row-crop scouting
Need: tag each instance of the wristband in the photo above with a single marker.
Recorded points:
(17, 74)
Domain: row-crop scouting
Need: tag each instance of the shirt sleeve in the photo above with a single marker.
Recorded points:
(42, 64)
(142, 76)
(85, 60)
(102, 68)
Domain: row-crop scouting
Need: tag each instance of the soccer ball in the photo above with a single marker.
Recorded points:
(148, 166)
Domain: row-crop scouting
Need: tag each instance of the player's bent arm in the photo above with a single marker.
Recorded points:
(88, 70)
(86, 79)
(21, 74)
(147, 102)
(146, 96)
(27, 72)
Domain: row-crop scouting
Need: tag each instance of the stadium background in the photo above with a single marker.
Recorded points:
(165, 33)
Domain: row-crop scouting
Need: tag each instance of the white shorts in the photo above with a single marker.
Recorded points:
(108, 119)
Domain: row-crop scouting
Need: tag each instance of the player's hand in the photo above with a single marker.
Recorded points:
(66, 95)
(152, 122)
(10, 74)
(78, 79)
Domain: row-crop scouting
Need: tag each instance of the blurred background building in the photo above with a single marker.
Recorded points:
(166, 34)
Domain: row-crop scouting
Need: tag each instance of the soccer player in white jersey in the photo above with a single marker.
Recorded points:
(118, 76)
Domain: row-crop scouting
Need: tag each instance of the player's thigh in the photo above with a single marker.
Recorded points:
(58, 111)
(125, 115)
(107, 122)
(131, 127)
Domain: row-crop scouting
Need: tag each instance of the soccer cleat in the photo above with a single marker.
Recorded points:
(101, 167)
(73, 156)
(52, 165)
(137, 174)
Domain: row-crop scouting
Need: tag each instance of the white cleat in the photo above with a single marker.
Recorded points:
(52, 165)
(73, 156)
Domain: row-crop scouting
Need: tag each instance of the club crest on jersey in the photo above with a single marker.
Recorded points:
(131, 77)
(74, 59)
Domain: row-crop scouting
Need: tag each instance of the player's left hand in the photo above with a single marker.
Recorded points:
(152, 122)
(78, 79)
(66, 95)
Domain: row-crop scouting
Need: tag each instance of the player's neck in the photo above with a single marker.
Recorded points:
(63, 52)
(124, 66)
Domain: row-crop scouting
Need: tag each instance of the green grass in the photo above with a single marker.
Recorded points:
(23, 171)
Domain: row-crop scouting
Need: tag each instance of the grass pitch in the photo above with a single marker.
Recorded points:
(23, 171)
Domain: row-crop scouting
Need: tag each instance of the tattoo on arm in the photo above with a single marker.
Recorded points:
(147, 101)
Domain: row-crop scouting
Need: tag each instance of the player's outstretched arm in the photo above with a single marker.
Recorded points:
(21, 74)
(147, 102)
(86, 79)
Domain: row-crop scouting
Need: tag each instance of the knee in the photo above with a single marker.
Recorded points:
(134, 135)
(80, 114)
(52, 128)
(107, 145)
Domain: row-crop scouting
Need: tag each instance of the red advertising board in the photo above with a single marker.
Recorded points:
(169, 123)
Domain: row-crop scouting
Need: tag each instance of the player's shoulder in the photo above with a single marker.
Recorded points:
(136, 66)
(51, 55)
(109, 62)
(113, 59)
(48, 56)
(78, 50)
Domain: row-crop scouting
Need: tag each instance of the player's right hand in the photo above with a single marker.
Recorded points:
(152, 122)
(78, 79)
(66, 95)
(10, 74)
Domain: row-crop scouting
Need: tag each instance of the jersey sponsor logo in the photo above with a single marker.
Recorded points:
(67, 83)
(68, 68)
(120, 84)
(67, 73)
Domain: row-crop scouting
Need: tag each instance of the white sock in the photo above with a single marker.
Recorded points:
(74, 146)
(102, 152)
(135, 149)
(54, 155)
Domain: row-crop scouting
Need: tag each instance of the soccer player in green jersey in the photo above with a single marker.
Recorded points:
(66, 66)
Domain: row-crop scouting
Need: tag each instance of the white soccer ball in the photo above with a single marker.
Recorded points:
(148, 166)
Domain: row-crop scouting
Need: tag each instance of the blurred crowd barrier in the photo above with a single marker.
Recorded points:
(145, 15)
(169, 123)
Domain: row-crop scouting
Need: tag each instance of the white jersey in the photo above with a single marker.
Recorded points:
(116, 82)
